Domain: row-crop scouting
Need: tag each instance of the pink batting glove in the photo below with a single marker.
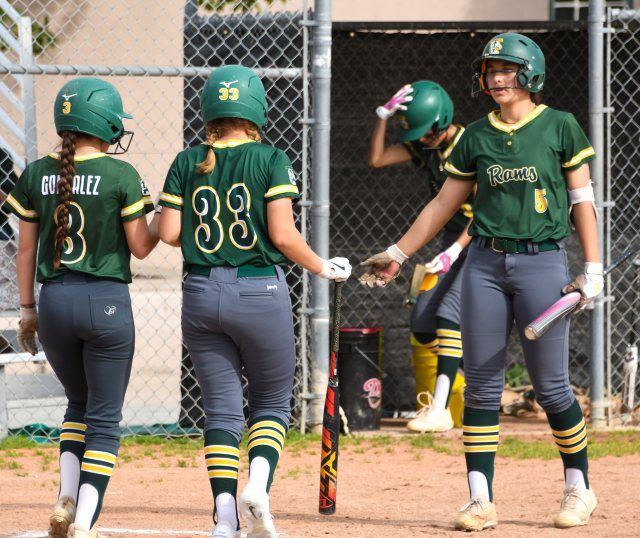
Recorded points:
(397, 102)
(443, 261)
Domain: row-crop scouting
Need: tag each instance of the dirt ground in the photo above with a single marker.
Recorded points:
(386, 488)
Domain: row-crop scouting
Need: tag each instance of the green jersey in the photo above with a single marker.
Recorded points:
(432, 162)
(520, 172)
(106, 192)
(224, 213)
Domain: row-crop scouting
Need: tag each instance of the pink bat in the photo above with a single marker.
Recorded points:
(558, 310)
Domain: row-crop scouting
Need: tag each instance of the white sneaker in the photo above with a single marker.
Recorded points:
(430, 418)
(76, 531)
(225, 529)
(254, 507)
(477, 515)
(577, 506)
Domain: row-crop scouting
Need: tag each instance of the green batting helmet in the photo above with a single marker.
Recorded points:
(234, 91)
(430, 110)
(518, 49)
(90, 106)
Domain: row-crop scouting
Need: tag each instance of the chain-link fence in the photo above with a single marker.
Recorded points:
(372, 208)
(158, 55)
(623, 223)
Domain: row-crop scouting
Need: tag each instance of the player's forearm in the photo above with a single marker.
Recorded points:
(296, 249)
(429, 222)
(376, 150)
(464, 238)
(584, 219)
(26, 269)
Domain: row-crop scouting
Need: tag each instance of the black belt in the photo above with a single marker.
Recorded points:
(516, 246)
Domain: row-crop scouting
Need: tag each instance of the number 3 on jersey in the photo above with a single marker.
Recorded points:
(75, 245)
(541, 202)
(210, 233)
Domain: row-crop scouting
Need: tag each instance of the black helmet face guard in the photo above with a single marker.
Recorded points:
(122, 143)
(479, 82)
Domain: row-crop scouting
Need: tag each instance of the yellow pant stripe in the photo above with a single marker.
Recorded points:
(269, 424)
(227, 462)
(570, 431)
(574, 449)
(74, 426)
(267, 433)
(448, 352)
(265, 442)
(72, 437)
(98, 469)
(449, 332)
(221, 473)
(222, 449)
(480, 429)
(99, 455)
(572, 440)
(487, 448)
(450, 343)
(480, 438)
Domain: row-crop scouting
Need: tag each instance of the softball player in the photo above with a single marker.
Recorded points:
(228, 204)
(529, 162)
(84, 214)
(427, 137)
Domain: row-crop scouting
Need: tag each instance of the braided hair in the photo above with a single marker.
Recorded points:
(65, 185)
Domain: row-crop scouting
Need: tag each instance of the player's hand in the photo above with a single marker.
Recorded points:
(27, 329)
(338, 269)
(382, 268)
(397, 102)
(590, 284)
(443, 261)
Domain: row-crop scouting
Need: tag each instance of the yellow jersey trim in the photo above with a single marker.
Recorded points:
(131, 209)
(232, 143)
(450, 168)
(582, 155)
(444, 155)
(281, 189)
(29, 213)
(80, 158)
(171, 198)
(496, 122)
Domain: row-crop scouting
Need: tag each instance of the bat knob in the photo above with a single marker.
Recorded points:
(531, 333)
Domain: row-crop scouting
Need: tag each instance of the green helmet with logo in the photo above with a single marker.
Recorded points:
(234, 91)
(91, 106)
(431, 109)
(518, 49)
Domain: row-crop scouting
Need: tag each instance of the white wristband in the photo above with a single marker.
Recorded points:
(454, 251)
(396, 254)
(593, 268)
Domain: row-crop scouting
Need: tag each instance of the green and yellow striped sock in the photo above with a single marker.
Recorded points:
(96, 470)
(72, 438)
(480, 432)
(570, 435)
(222, 457)
(449, 350)
(266, 439)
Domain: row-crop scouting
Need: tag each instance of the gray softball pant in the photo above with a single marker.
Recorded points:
(502, 288)
(443, 301)
(229, 323)
(87, 333)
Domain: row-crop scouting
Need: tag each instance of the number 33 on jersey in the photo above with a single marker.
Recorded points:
(224, 213)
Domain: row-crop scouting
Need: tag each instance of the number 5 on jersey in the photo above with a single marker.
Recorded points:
(541, 202)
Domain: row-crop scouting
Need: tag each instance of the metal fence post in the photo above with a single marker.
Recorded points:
(321, 83)
(596, 129)
(28, 90)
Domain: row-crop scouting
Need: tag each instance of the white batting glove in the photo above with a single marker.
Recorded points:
(590, 284)
(378, 264)
(397, 102)
(338, 269)
(443, 261)
(27, 328)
